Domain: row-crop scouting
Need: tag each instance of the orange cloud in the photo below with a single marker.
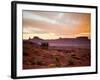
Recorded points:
(52, 25)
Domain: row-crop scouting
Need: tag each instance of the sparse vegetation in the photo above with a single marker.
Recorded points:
(71, 62)
(57, 60)
(75, 56)
(52, 65)
(43, 56)
(45, 45)
(36, 61)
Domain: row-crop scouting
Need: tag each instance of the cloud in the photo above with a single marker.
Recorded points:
(57, 23)
(30, 30)
(31, 16)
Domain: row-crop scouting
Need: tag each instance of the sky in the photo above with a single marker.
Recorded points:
(54, 25)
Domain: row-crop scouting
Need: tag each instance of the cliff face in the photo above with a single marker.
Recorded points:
(45, 56)
(79, 41)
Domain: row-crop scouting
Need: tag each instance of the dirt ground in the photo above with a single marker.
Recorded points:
(35, 56)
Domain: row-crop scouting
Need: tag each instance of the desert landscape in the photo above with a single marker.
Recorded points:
(67, 52)
(54, 39)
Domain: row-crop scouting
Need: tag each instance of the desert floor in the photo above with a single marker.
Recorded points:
(50, 57)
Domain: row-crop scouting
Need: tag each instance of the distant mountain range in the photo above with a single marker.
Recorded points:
(79, 41)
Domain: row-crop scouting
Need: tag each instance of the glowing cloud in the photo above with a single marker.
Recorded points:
(52, 25)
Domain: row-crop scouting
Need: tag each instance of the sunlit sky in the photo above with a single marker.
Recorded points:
(53, 25)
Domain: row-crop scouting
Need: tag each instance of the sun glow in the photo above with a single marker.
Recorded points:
(52, 25)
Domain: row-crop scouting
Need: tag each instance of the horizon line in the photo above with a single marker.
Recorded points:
(59, 38)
